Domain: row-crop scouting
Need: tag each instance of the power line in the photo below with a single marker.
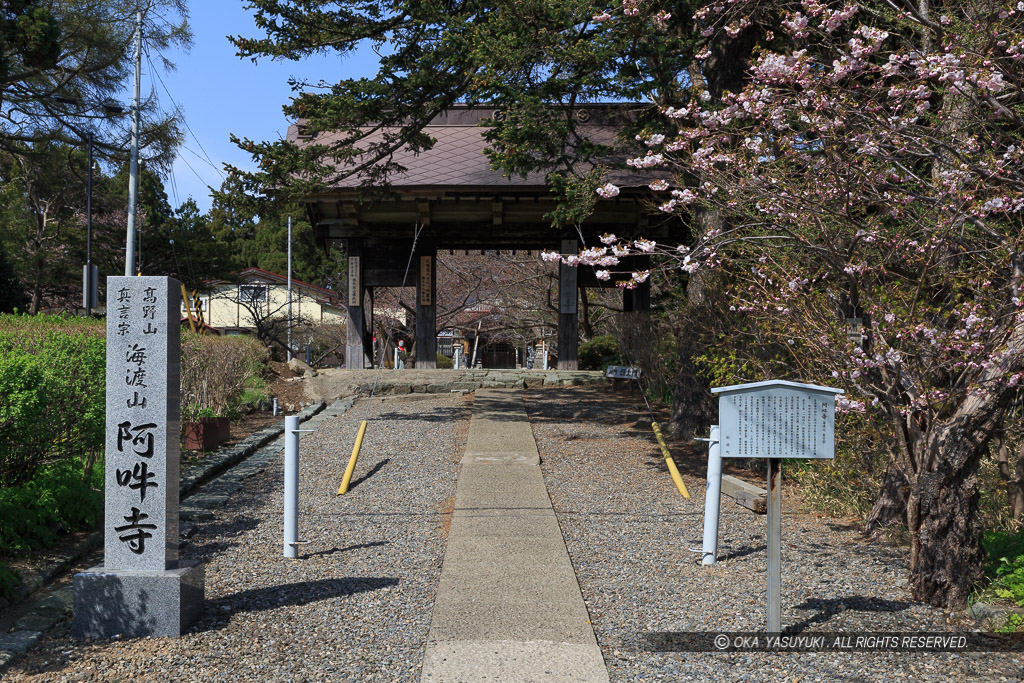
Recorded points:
(206, 156)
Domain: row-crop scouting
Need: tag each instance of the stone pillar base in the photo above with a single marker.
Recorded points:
(137, 602)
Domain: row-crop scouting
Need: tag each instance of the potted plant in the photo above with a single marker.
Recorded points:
(203, 431)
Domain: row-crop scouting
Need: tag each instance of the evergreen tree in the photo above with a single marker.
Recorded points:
(64, 62)
(539, 62)
(43, 231)
(12, 295)
(256, 234)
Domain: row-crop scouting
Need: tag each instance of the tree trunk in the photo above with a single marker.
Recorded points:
(946, 555)
(692, 406)
(1003, 461)
(1018, 486)
(690, 414)
(586, 327)
(1013, 477)
(891, 503)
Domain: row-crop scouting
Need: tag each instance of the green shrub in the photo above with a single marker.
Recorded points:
(1004, 566)
(9, 580)
(61, 498)
(444, 362)
(599, 353)
(216, 371)
(52, 394)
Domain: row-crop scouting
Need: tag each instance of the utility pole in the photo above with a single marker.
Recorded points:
(289, 287)
(133, 178)
(89, 282)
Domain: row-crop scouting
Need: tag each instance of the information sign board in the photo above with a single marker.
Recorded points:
(777, 419)
(622, 372)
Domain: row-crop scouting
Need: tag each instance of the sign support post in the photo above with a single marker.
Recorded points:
(771, 420)
(774, 624)
(712, 498)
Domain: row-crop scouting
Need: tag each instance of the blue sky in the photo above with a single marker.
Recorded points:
(222, 94)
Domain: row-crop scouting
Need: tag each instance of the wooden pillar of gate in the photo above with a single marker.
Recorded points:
(568, 316)
(426, 308)
(358, 344)
(638, 300)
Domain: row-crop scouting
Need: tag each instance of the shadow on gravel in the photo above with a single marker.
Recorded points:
(214, 538)
(551, 406)
(832, 607)
(743, 552)
(332, 551)
(374, 470)
(289, 595)
(436, 415)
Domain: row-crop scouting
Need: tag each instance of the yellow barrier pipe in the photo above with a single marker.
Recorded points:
(188, 309)
(676, 477)
(352, 461)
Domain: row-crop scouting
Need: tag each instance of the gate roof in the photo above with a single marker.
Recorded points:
(452, 190)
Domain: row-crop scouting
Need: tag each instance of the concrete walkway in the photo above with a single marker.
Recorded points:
(508, 606)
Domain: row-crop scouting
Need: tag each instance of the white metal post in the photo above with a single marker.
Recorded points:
(291, 486)
(712, 497)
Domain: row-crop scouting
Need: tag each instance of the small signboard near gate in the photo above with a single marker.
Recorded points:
(771, 420)
(777, 419)
(622, 372)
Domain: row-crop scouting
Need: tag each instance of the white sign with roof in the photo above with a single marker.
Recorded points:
(777, 419)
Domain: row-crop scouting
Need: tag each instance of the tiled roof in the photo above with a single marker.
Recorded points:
(457, 158)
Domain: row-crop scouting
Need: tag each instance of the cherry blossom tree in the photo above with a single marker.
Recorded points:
(867, 179)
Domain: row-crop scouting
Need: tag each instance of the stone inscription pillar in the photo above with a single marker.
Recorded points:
(141, 589)
(568, 318)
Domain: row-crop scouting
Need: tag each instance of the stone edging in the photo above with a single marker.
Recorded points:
(992, 617)
(471, 380)
(49, 610)
(200, 472)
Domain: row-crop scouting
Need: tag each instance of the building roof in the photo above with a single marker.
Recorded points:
(259, 273)
(457, 158)
(460, 202)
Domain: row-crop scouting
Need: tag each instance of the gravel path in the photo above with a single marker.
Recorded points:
(355, 607)
(628, 532)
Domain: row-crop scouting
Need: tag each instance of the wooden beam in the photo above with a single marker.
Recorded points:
(752, 497)
(387, 277)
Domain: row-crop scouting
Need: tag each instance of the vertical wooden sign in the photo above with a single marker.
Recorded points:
(354, 281)
(426, 281)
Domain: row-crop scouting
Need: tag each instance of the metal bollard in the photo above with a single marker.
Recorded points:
(712, 497)
(291, 485)
(669, 463)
